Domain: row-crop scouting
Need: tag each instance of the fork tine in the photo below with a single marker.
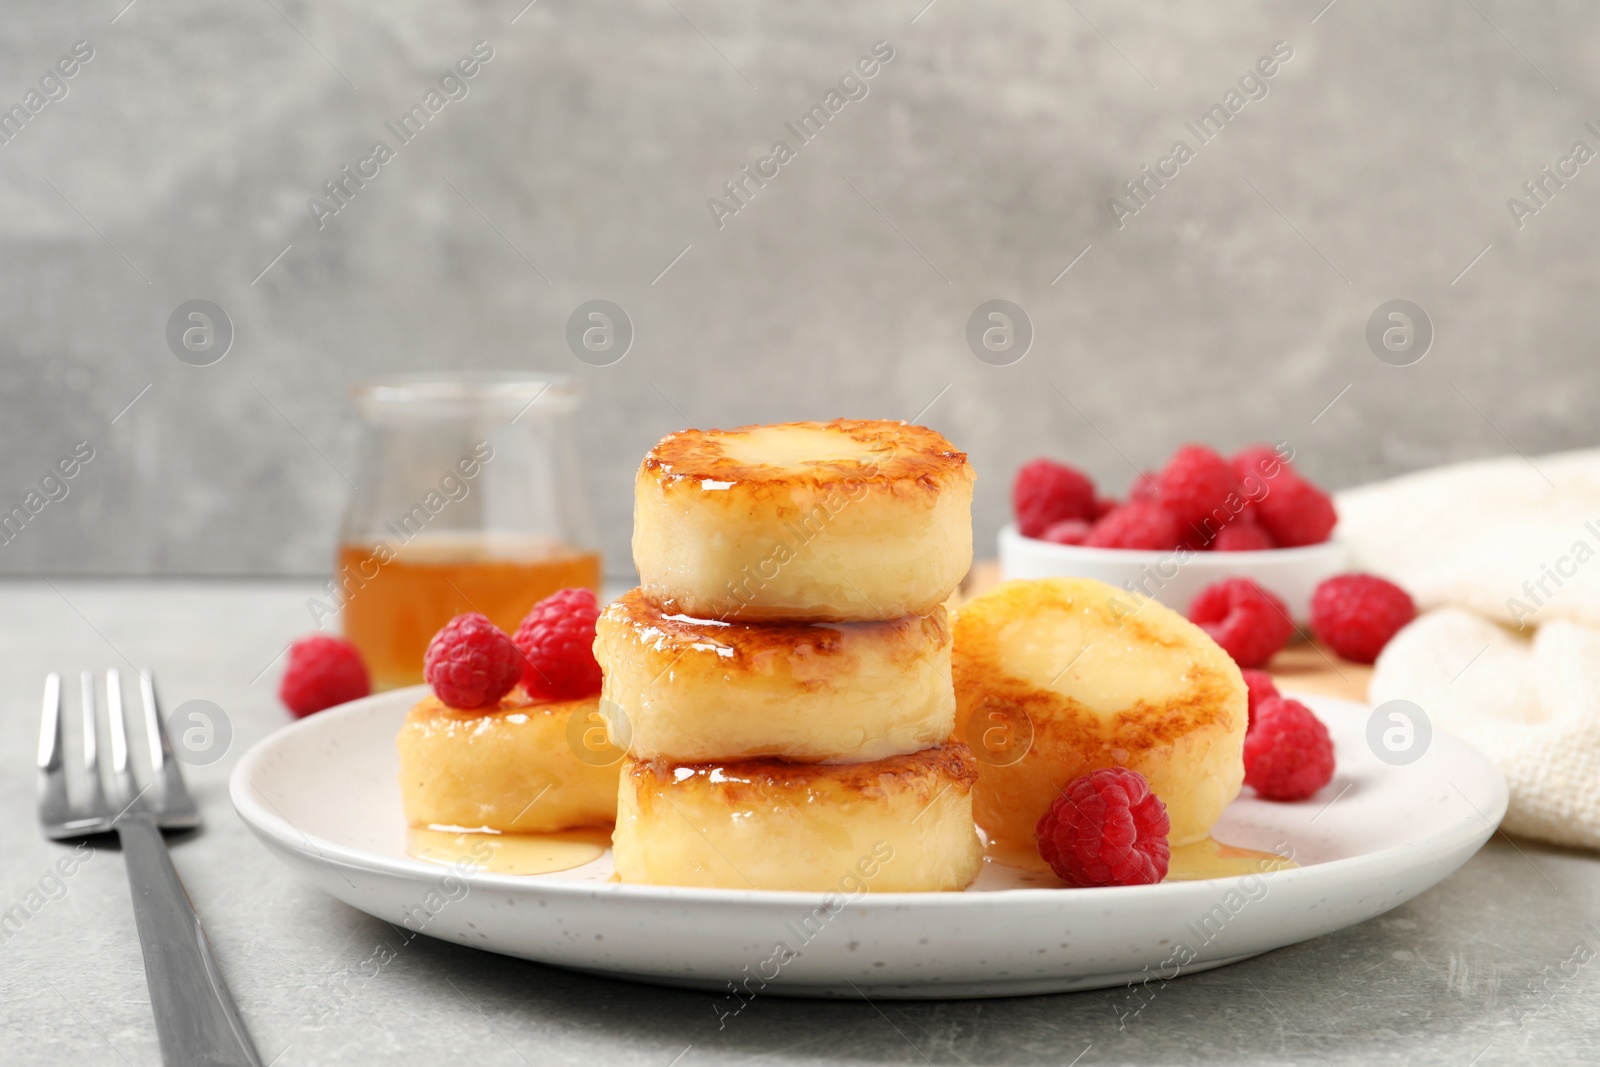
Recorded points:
(52, 771)
(127, 788)
(50, 738)
(176, 809)
(95, 796)
(160, 747)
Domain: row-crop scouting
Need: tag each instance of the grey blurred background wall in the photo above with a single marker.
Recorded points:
(1231, 307)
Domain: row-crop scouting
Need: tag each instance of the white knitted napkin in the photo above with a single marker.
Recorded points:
(1504, 556)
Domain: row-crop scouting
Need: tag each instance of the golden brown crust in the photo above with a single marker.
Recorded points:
(754, 780)
(899, 457)
(1139, 726)
(431, 707)
(743, 647)
(983, 685)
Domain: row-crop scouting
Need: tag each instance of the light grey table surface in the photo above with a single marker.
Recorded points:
(1481, 970)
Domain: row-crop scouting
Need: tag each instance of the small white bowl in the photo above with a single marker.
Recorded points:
(1175, 578)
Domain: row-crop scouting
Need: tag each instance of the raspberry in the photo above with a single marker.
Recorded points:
(1260, 462)
(1145, 489)
(1288, 754)
(470, 663)
(1295, 512)
(1066, 532)
(1242, 535)
(1045, 492)
(557, 641)
(1103, 506)
(1106, 828)
(1255, 466)
(1356, 614)
(322, 671)
(1135, 525)
(1195, 485)
(1249, 623)
(1260, 686)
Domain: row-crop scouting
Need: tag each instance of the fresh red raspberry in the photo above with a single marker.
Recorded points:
(557, 641)
(322, 671)
(1242, 535)
(1295, 512)
(1106, 828)
(1103, 506)
(1260, 686)
(1066, 532)
(1288, 755)
(1146, 489)
(1261, 462)
(1249, 623)
(1357, 614)
(1255, 467)
(470, 663)
(1046, 492)
(1195, 485)
(1135, 525)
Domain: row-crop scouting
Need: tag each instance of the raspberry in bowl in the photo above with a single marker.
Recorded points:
(1201, 518)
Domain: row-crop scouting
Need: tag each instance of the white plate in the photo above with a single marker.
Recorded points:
(322, 795)
(1292, 573)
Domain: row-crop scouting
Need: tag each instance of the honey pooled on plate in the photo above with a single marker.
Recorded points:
(497, 853)
(1206, 858)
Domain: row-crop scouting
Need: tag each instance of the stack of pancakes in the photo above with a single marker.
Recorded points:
(781, 679)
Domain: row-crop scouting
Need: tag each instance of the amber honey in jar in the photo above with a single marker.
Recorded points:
(468, 498)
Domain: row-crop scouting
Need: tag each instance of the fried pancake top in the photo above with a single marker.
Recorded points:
(845, 453)
(1133, 670)
(430, 707)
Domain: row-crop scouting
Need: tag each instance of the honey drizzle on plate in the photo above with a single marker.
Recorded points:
(1211, 858)
(1208, 858)
(498, 853)
(564, 850)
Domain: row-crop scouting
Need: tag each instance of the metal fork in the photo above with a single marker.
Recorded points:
(196, 1019)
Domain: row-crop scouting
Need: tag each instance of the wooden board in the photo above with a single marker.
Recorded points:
(1304, 666)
